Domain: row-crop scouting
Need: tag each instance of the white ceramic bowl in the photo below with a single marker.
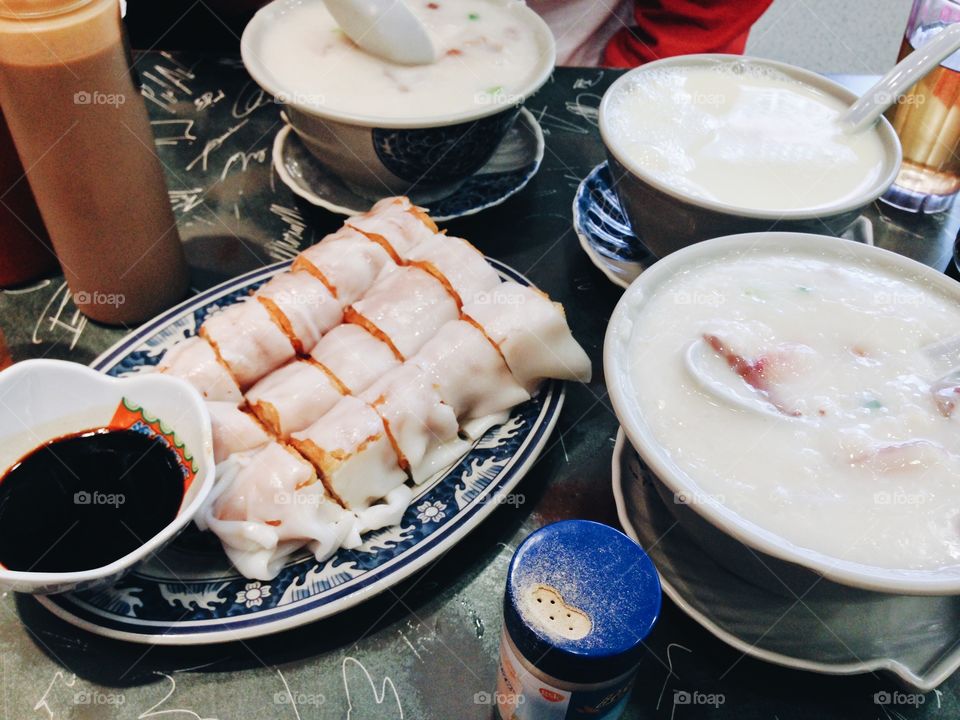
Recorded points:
(667, 219)
(425, 157)
(44, 399)
(751, 551)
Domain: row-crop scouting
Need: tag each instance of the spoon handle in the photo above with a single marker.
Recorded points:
(871, 105)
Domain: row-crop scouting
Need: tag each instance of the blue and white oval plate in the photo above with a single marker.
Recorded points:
(190, 594)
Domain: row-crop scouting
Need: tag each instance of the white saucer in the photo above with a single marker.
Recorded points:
(515, 162)
(917, 639)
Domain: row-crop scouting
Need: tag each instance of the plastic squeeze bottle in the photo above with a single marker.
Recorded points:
(82, 133)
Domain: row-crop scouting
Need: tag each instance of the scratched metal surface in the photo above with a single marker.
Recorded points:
(427, 649)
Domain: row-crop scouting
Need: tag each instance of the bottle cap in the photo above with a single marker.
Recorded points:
(580, 599)
(30, 9)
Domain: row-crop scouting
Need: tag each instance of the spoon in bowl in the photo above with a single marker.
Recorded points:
(714, 378)
(385, 28)
(872, 104)
(700, 360)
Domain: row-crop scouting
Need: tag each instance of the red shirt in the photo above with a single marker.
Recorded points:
(664, 28)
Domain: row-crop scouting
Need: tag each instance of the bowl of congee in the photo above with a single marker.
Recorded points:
(795, 400)
(701, 146)
(391, 129)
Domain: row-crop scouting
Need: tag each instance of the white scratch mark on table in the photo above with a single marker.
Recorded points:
(208, 99)
(291, 241)
(184, 201)
(409, 645)
(583, 83)
(286, 687)
(378, 698)
(27, 290)
(670, 672)
(585, 105)
(213, 145)
(74, 325)
(244, 158)
(250, 97)
(548, 120)
(42, 702)
(185, 128)
(155, 710)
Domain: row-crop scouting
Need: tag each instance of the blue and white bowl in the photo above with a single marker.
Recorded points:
(426, 158)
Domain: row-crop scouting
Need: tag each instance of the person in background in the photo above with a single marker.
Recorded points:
(613, 33)
(582, 28)
(626, 33)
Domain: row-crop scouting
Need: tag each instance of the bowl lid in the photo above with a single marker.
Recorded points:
(580, 599)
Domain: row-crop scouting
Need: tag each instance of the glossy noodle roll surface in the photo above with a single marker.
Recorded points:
(531, 332)
(468, 372)
(293, 396)
(354, 356)
(248, 340)
(195, 361)
(267, 504)
(347, 263)
(396, 224)
(404, 309)
(303, 307)
(234, 430)
(353, 454)
(421, 427)
(457, 264)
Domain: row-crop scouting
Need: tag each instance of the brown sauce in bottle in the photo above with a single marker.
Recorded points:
(81, 129)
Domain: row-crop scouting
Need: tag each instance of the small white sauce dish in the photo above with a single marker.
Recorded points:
(41, 400)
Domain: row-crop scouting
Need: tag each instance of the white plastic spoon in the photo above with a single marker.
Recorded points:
(386, 28)
(698, 360)
(714, 377)
(871, 105)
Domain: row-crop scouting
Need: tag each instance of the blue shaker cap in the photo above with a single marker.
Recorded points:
(603, 579)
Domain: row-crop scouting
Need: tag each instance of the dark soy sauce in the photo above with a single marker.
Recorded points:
(82, 501)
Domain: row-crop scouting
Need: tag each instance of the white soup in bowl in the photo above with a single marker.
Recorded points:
(742, 134)
(489, 52)
(800, 392)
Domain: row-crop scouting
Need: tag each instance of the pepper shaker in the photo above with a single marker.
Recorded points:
(580, 599)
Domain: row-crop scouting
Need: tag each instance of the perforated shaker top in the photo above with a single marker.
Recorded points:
(580, 599)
